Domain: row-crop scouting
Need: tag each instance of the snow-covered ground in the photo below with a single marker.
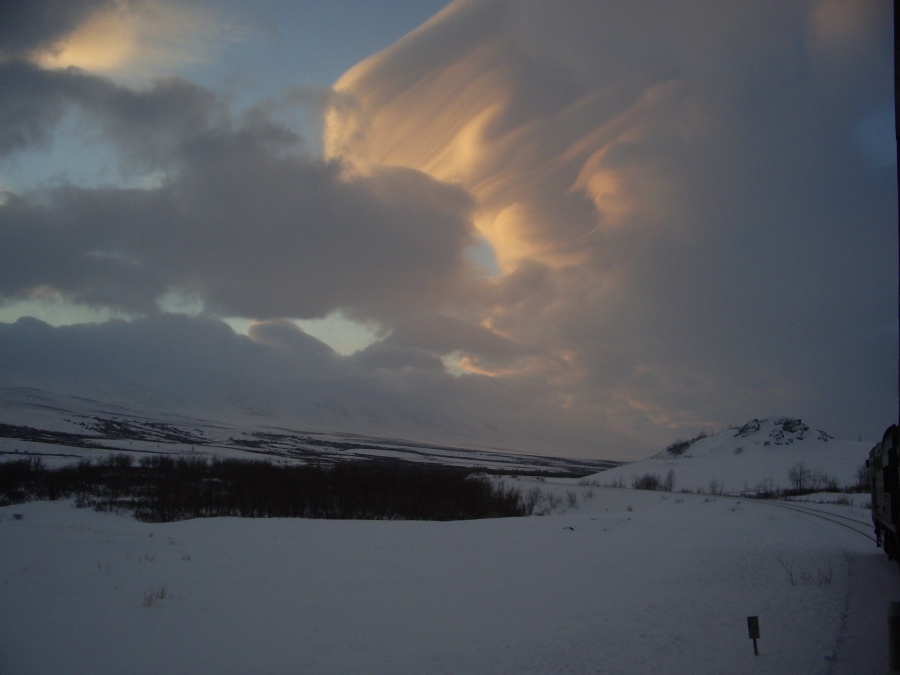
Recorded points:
(757, 455)
(612, 580)
(65, 429)
(626, 582)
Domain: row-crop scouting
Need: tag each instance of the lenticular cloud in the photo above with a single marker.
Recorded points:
(655, 180)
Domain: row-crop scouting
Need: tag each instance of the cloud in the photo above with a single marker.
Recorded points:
(243, 220)
(28, 26)
(172, 354)
(685, 229)
(130, 40)
(280, 376)
(287, 338)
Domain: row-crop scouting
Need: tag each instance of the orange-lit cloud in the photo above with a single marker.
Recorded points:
(628, 162)
(104, 43)
(135, 40)
(537, 164)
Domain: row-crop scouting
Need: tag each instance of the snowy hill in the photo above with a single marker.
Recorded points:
(64, 429)
(756, 456)
(345, 405)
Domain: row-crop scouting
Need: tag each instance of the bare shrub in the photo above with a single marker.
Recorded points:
(799, 476)
(553, 501)
(118, 460)
(152, 596)
(863, 478)
(822, 482)
(805, 480)
(801, 575)
(668, 483)
(529, 500)
(678, 448)
(649, 481)
(536, 502)
(767, 489)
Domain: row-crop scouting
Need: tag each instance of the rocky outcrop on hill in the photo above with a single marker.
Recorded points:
(779, 430)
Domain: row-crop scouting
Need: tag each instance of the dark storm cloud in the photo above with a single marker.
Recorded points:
(199, 366)
(170, 353)
(33, 103)
(243, 220)
(150, 126)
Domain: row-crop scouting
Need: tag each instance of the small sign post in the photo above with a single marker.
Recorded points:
(753, 629)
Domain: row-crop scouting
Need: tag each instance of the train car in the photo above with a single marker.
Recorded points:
(884, 478)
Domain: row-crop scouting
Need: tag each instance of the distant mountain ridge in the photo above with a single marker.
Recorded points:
(352, 407)
(68, 428)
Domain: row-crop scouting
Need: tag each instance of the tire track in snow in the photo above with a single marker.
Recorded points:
(844, 521)
(872, 582)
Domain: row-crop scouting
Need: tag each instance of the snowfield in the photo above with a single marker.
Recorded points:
(610, 580)
(627, 582)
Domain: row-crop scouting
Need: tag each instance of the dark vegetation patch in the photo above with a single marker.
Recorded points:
(141, 431)
(26, 433)
(651, 481)
(159, 488)
(678, 448)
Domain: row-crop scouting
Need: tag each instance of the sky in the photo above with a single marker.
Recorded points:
(593, 227)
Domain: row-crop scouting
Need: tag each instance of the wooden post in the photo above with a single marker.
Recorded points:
(753, 629)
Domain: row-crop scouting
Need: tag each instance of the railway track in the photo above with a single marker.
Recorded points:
(861, 527)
